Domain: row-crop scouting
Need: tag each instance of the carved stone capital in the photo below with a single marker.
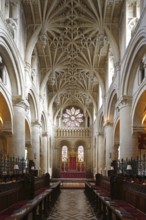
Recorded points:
(36, 123)
(45, 134)
(108, 123)
(28, 144)
(19, 101)
(117, 67)
(124, 101)
(27, 67)
(99, 133)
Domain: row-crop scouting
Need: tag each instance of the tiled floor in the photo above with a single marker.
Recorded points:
(72, 204)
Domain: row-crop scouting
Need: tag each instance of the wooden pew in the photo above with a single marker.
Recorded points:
(28, 196)
(133, 197)
(114, 198)
(11, 193)
(99, 187)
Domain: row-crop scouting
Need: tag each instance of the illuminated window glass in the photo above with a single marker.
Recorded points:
(64, 153)
(81, 153)
(72, 117)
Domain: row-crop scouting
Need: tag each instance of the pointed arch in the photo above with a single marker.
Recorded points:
(137, 48)
(31, 44)
(138, 109)
(43, 122)
(32, 100)
(6, 113)
(111, 103)
(13, 64)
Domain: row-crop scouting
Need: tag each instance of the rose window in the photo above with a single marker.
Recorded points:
(72, 117)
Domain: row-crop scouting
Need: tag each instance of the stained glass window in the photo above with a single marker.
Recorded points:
(64, 153)
(72, 117)
(81, 153)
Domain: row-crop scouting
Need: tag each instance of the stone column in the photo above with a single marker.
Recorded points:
(97, 154)
(44, 153)
(18, 138)
(86, 120)
(144, 65)
(27, 78)
(94, 156)
(117, 68)
(59, 120)
(2, 6)
(116, 151)
(28, 146)
(109, 144)
(49, 157)
(136, 150)
(126, 145)
(101, 156)
(35, 150)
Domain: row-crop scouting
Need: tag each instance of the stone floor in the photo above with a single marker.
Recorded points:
(72, 204)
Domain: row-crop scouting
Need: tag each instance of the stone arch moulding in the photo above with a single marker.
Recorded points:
(61, 143)
(14, 67)
(28, 143)
(137, 48)
(6, 113)
(113, 44)
(101, 123)
(138, 108)
(33, 105)
(64, 106)
(111, 102)
(80, 142)
(44, 122)
(116, 138)
(27, 132)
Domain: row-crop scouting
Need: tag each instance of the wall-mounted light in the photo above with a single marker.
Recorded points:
(32, 168)
(129, 167)
(16, 167)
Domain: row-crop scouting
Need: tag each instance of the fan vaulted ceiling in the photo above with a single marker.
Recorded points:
(73, 43)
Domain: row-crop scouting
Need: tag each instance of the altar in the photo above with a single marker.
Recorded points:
(72, 174)
(73, 164)
(73, 169)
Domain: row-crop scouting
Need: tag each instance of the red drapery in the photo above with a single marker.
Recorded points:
(72, 163)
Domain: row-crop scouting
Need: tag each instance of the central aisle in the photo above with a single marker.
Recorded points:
(72, 204)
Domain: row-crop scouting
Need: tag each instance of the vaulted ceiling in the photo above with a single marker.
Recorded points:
(73, 44)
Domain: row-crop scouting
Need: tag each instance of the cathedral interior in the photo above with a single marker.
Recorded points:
(72, 84)
(72, 87)
(72, 91)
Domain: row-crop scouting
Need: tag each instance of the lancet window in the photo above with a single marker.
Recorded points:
(64, 153)
(81, 154)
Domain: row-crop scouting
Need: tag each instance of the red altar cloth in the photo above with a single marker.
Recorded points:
(72, 174)
(72, 164)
